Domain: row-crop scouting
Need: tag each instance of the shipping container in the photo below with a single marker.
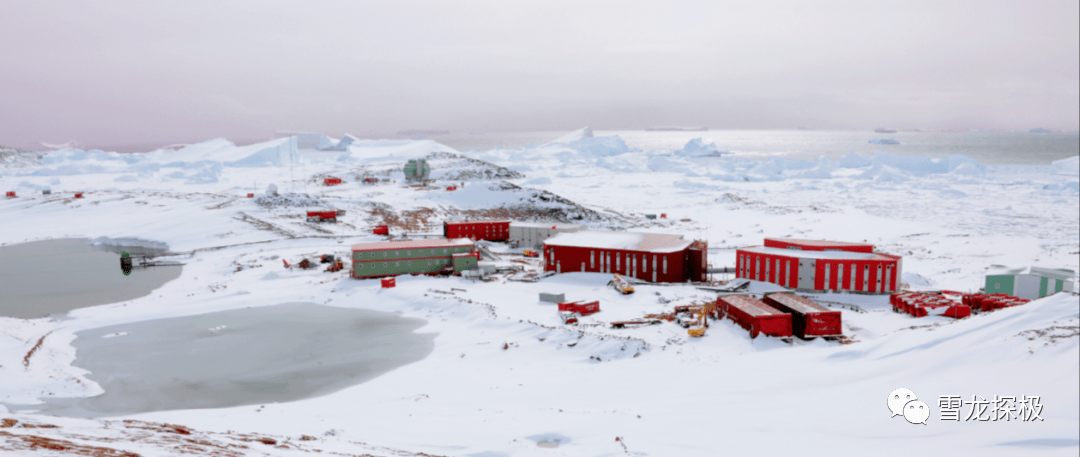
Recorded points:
(331, 181)
(580, 307)
(552, 298)
(808, 319)
(531, 235)
(381, 230)
(754, 315)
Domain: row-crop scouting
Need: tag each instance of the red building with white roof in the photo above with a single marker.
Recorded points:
(647, 256)
(811, 265)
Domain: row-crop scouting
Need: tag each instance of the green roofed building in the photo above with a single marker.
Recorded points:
(1028, 282)
(392, 258)
(417, 170)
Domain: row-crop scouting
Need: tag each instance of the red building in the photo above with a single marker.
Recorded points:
(491, 230)
(647, 256)
(808, 265)
(754, 315)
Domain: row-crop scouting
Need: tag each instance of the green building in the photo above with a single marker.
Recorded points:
(1028, 282)
(417, 170)
(392, 258)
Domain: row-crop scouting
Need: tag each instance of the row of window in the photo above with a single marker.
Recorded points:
(384, 254)
(430, 262)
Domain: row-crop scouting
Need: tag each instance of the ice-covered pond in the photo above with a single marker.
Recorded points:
(238, 357)
(56, 276)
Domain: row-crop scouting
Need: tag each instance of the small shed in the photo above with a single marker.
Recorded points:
(808, 319)
(552, 298)
(1028, 282)
(754, 315)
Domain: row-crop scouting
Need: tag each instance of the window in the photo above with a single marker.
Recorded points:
(384, 254)
(397, 253)
(410, 263)
(386, 264)
(408, 252)
(429, 263)
(444, 251)
(361, 266)
(397, 264)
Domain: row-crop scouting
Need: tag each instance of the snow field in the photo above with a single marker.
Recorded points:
(723, 393)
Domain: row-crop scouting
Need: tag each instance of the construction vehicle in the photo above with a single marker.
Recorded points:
(694, 318)
(531, 253)
(569, 318)
(622, 285)
(326, 258)
(337, 265)
(303, 264)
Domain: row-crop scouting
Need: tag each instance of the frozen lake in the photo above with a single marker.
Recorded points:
(56, 276)
(239, 357)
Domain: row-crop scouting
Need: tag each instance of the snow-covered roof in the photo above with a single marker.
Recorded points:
(477, 221)
(411, 244)
(543, 225)
(818, 244)
(798, 303)
(831, 255)
(627, 241)
(751, 305)
(1056, 273)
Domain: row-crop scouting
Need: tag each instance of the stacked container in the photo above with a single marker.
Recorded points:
(754, 315)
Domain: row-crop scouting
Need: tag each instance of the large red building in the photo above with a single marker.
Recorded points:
(647, 256)
(491, 230)
(810, 265)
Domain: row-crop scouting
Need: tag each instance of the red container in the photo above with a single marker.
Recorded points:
(10, 194)
(78, 194)
(371, 180)
(388, 283)
(754, 315)
(331, 181)
(808, 319)
(451, 188)
(491, 230)
(322, 216)
(583, 309)
(381, 230)
(663, 215)
(251, 195)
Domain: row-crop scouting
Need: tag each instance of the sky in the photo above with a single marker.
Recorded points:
(110, 73)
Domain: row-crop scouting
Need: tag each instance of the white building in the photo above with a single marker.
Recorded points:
(531, 235)
(1028, 282)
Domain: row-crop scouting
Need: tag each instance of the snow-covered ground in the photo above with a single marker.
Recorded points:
(505, 373)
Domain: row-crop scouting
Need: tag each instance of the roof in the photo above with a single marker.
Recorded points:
(818, 244)
(798, 304)
(751, 306)
(478, 221)
(543, 225)
(1056, 273)
(411, 244)
(626, 241)
(830, 255)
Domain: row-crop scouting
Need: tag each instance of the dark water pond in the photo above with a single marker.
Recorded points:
(56, 276)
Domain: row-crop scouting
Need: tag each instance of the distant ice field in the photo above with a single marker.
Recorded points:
(986, 147)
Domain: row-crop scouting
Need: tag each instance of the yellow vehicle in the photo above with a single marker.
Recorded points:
(622, 285)
(701, 321)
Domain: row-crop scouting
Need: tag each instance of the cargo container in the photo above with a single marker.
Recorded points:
(580, 307)
(9, 194)
(331, 181)
(490, 230)
(552, 298)
(388, 283)
(381, 230)
(754, 315)
(808, 319)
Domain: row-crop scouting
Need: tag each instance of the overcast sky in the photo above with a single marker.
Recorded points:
(114, 73)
